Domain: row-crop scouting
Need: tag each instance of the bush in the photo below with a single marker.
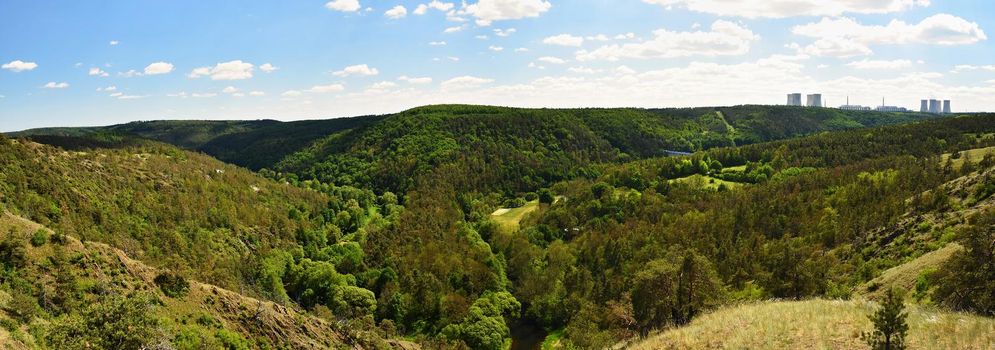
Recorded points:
(546, 196)
(531, 196)
(38, 239)
(173, 285)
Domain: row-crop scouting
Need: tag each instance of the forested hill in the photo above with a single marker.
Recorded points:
(253, 144)
(562, 140)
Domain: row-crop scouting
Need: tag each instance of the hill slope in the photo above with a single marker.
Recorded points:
(818, 324)
(95, 274)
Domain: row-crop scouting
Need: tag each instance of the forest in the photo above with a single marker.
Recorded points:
(450, 226)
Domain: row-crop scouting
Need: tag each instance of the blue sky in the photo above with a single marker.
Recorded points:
(72, 63)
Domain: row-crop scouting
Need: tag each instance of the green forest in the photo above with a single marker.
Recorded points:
(457, 226)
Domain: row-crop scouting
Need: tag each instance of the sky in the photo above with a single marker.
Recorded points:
(80, 63)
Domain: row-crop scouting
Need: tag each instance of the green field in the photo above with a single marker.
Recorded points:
(508, 218)
(706, 181)
(976, 155)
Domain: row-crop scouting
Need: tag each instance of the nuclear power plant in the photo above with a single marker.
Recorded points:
(935, 106)
(926, 106)
(794, 99)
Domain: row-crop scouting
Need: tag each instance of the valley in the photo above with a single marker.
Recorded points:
(458, 226)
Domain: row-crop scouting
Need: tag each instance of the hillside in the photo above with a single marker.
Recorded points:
(158, 203)
(559, 141)
(78, 277)
(251, 144)
(395, 226)
(818, 324)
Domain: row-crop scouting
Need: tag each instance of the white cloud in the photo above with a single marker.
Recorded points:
(114, 42)
(97, 72)
(19, 66)
(383, 85)
(230, 90)
(880, 64)
(564, 40)
(54, 85)
(845, 37)
(495, 48)
(231, 70)
(453, 29)
(465, 82)
(121, 96)
(109, 88)
(488, 11)
(359, 69)
(116, 94)
(435, 4)
(724, 39)
(343, 5)
(453, 58)
(628, 36)
(504, 32)
(481, 37)
(967, 67)
(291, 93)
(599, 37)
(791, 8)
(583, 70)
(415, 80)
(130, 73)
(257, 93)
(552, 60)
(326, 88)
(396, 12)
(522, 49)
(268, 68)
(158, 68)
(203, 95)
(437, 43)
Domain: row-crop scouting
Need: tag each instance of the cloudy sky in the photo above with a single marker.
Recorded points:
(70, 63)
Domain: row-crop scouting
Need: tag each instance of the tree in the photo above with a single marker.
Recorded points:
(667, 293)
(967, 281)
(890, 326)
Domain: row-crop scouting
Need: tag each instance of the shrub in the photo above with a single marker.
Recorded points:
(38, 239)
(531, 196)
(546, 196)
(173, 285)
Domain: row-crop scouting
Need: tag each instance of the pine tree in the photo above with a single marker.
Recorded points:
(890, 326)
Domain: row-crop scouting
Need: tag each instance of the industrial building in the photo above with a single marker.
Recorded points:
(946, 107)
(891, 109)
(854, 108)
(813, 100)
(794, 99)
(924, 107)
(934, 107)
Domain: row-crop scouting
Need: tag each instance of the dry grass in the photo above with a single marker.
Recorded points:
(819, 324)
(905, 275)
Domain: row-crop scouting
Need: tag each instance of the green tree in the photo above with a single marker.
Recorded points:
(967, 281)
(890, 327)
(114, 323)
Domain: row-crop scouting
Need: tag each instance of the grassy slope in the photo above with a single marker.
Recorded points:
(818, 324)
(976, 155)
(106, 266)
(508, 218)
(905, 275)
